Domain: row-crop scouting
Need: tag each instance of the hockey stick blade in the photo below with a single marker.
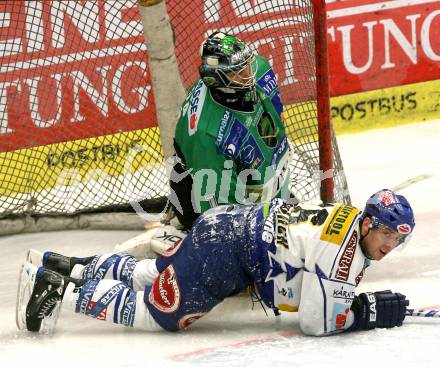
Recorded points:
(423, 313)
(410, 181)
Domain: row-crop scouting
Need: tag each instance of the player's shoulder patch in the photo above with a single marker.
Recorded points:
(269, 85)
(268, 82)
(338, 224)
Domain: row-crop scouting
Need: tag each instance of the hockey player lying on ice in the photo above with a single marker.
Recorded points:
(299, 259)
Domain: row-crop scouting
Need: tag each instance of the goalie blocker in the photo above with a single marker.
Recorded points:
(233, 247)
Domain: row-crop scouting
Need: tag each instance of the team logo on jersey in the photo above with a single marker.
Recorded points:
(196, 106)
(338, 224)
(404, 228)
(251, 156)
(165, 292)
(346, 259)
(234, 140)
(187, 320)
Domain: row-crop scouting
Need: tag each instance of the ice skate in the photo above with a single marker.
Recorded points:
(54, 261)
(39, 298)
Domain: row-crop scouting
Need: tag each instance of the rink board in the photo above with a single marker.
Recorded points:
(78, 161)
(386, 107)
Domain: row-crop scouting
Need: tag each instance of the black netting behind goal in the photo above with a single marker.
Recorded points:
(78, 125)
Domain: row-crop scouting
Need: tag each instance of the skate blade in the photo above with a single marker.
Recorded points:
(35, 257)
(50, 322)
(26, 281)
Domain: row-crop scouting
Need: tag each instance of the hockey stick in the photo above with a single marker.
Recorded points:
(410, 182)
(422, 313)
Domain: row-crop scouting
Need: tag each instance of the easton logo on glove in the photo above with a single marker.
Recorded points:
(373, 312)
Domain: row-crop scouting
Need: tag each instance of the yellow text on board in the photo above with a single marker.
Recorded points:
(45, 167)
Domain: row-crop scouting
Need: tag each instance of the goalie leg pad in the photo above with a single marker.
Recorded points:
(150, 244)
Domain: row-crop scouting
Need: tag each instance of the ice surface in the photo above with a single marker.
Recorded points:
(233, 334)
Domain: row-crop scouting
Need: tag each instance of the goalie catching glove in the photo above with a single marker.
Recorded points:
(383, 309)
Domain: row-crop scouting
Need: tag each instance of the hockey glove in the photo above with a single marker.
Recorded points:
(383, 309)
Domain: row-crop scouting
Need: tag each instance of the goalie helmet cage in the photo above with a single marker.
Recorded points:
(76, 100)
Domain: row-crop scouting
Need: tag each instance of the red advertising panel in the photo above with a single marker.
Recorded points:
(71, 70)
(374, 45)
(76, 69)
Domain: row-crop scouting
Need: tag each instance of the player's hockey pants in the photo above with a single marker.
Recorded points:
(210, 264)
(213, 262)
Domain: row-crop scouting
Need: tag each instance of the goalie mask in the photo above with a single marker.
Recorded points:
(385, 208)
(228, 64)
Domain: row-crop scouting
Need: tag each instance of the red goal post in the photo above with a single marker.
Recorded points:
(323, 100)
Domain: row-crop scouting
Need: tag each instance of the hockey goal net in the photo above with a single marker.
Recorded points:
(78, 122)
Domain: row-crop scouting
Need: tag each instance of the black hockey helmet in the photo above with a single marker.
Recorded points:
(227, 62)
